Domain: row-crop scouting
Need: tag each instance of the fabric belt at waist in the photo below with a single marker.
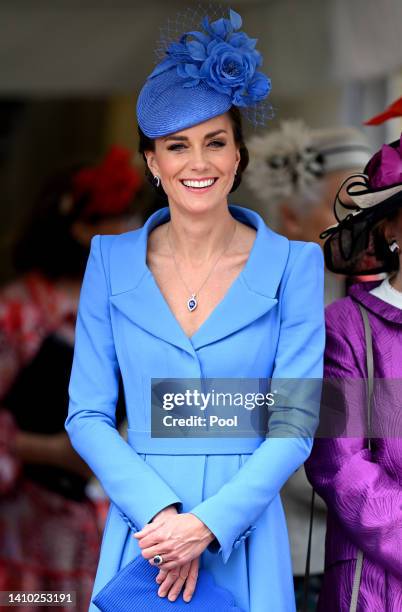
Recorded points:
(142, 443)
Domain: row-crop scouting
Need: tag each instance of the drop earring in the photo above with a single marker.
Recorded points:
(157, 181)
(393, 246)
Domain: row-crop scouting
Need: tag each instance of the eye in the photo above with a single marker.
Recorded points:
(176, 147)
(217, 143)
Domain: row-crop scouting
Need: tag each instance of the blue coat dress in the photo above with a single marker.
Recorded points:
(270, 324)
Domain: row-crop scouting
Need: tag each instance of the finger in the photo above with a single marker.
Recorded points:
(169, 565)
(169, 581)
(161, 576)
(149, 528)
(184, 570)
(150, 540)
(176, 588)
(191, 581)
(159, 549)
(165, 558)
(152, 535)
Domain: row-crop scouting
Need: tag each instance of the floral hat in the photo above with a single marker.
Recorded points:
(201, 76)
(290, 162)
(106, 189)
(353, 246)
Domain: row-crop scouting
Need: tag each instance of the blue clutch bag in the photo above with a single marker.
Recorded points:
(134, 589)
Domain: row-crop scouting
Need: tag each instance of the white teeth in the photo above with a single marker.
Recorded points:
(199, 184)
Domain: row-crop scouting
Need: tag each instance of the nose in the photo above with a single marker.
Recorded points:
(199, 159)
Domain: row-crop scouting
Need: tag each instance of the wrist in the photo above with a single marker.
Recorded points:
(168, 511)
(208, 536)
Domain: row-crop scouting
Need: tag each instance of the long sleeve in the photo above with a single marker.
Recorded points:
(239, 503)
(365, 500)
(132, 485)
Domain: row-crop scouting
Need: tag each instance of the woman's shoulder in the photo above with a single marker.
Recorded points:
(121, 258)
(343, 318)
(304, 258)
(129, 236)
(298, 247)
(300, 272)
(116, 245)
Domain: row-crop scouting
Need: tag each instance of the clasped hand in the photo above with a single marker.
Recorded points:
(180, 539)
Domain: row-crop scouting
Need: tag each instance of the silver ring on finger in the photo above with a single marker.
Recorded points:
(158, 560)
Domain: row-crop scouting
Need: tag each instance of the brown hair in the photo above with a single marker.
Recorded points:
(148, 144)
(391, 260)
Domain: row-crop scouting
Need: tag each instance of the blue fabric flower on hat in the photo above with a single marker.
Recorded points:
(222, 57)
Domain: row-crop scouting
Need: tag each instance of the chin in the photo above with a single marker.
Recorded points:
(198, 206)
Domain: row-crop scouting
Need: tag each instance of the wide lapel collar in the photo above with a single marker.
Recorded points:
(360, 292)
(254, 292)
(134, 291)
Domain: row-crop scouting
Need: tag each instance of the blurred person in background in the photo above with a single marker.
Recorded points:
(359, 476)
(49, 532)
(295, 173)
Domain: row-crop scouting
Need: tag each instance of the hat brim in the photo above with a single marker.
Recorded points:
(351, 247)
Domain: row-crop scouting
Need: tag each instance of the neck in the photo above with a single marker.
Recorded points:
(199, 237)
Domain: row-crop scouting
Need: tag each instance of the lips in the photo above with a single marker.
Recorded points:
(199, 185)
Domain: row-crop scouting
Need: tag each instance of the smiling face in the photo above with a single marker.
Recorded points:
(197, 165)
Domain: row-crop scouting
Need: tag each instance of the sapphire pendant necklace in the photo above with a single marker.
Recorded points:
(192, 301)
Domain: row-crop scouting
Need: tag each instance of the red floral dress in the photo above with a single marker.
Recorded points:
(48, 541)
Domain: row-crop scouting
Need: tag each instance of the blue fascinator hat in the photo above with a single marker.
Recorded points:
(202, 75)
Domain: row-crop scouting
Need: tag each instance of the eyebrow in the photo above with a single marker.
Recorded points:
(183, 138)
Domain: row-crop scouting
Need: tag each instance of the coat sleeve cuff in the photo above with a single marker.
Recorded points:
(225, 539)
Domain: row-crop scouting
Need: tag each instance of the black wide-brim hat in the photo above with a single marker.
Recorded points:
(352, 246)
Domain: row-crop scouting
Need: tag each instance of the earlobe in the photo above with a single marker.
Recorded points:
(237, 163)
(150, 157)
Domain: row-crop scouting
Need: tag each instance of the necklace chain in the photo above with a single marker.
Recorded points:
(192, 301)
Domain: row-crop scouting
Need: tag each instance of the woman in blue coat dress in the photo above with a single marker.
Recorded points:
(204, 290)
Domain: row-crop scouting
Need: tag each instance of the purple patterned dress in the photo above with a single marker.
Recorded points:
(362, 489)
